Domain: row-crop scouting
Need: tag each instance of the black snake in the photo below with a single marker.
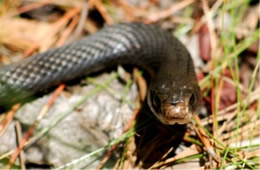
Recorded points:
(173, 94)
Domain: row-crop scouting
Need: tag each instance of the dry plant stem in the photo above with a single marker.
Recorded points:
(253, 154)
(66, 33)
(243, 130)
(129, 10)
(5, 123)
(213, 10)
(213, 111)
(211, 26)
(141, 85)
(58, 25)
(50, 103)
(31, 130)
(32, 6)
(231, 81)
(201, 133)
(101, 8)
(83, 19)
(182, 20)
(7, 154)
(216, 110)
(151, 145)
(19, 135)
(109, 153)
(6, 6)
(231, 124)
(131, 122)
(168, 12)
(231, 109)
(160, 163)
(244, 136)
(166, 154)
(227, 119)
(187, 152)
(30, 50)
(227, 114)
(204, 138)
(51, 33)
(239, 48)
(107, 156)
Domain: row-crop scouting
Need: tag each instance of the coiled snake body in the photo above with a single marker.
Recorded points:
(173, 95)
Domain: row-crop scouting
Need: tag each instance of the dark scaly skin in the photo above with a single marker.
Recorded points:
(173, 95)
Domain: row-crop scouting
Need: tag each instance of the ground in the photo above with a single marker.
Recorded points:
(103, 121)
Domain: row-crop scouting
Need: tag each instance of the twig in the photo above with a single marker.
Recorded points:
(56, 27)
(168, 12)
(30, 50)
(63, 115)
(100, 7)
(226, 113)
(204, 138)
(32, 6)
(109, 153)
(83, 17)
(67, 31)
(185, 153)
(4, 124)
(18, 129)
(129, 10)
(141, 84)
(31, 130)
(210, 23)
(243, 131)
(213, 10)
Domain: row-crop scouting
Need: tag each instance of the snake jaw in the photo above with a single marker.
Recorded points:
(171, 111)
(177, 113)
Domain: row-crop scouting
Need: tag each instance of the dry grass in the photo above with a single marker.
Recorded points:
(225, 134)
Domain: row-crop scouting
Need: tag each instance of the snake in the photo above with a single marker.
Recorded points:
(173, 94)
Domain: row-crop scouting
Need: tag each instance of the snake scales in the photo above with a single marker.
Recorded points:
(173, 94)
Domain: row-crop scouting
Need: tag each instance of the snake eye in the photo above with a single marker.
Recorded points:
(156, 101)
(192, 100)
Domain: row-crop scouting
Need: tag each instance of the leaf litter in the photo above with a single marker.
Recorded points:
(225, 134)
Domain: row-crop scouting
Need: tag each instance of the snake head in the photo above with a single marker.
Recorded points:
(174, 104)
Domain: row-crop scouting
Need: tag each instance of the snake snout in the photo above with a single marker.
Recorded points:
(177, 112)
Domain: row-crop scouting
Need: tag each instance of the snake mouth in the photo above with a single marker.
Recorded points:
(179, 113)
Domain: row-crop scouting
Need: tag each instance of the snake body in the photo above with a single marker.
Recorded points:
(173, 95)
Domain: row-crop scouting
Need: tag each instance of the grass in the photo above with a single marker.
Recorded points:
(75, 106)
(243, 114)
(236, 14)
